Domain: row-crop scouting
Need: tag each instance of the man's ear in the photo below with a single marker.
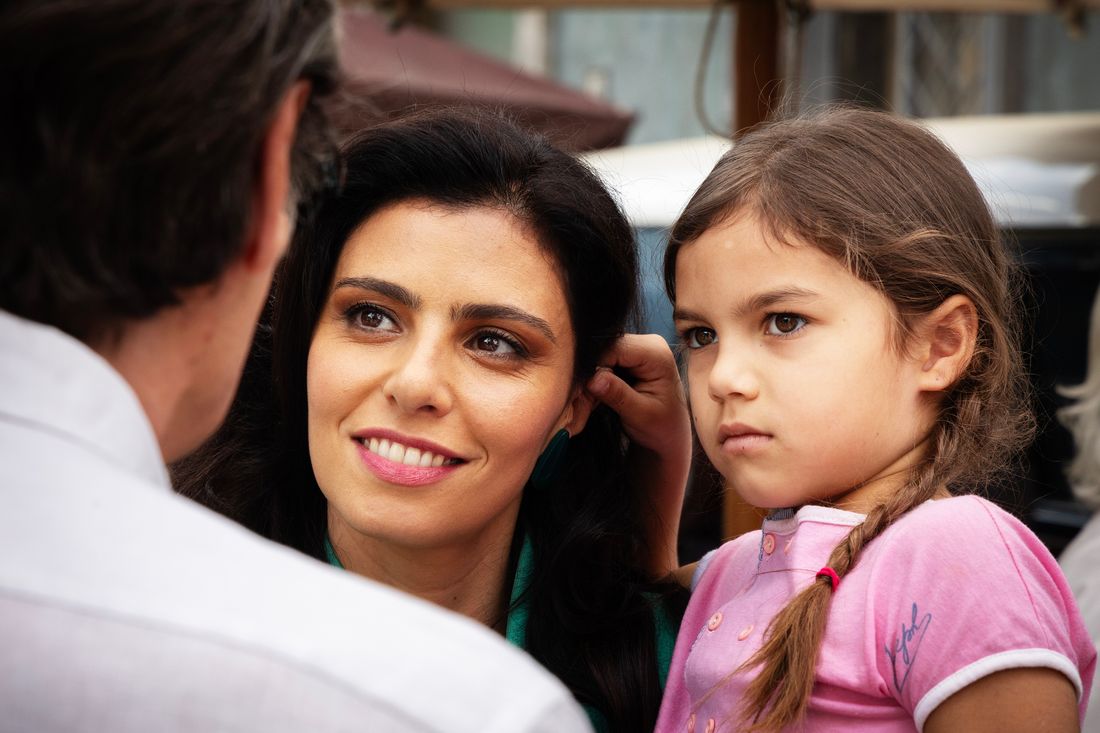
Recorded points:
(578, 410)
(947, 338)
(272, 223)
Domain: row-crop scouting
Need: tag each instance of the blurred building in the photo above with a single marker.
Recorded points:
(921, 64)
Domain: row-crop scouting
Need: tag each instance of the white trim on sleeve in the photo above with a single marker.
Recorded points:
(971, 673)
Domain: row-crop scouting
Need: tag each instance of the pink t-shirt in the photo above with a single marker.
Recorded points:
(955, 590)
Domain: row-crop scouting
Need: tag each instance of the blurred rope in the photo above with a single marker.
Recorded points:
(701, 70)
(798, 12)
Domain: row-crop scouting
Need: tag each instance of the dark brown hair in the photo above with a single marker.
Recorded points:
(132, 132)
(891, 202)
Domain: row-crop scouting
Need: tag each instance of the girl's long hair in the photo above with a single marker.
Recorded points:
(590, 604)
(894, 205)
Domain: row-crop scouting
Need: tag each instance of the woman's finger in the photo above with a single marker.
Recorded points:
(647, 356)
(611, 390)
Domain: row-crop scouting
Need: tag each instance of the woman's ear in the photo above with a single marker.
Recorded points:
(577, 411)
(947, 338)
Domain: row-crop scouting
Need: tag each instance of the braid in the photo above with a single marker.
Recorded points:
(780, 691)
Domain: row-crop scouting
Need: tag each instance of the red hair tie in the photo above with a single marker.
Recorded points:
(831, 575)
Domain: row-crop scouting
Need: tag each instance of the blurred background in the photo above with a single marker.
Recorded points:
(652, 92)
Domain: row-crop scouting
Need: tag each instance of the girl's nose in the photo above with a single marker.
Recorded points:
(732, 376)
(421, 383)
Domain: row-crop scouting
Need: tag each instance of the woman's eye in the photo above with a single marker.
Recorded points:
(697, 338)
(371, 318)
(784, 324)
(496, 344)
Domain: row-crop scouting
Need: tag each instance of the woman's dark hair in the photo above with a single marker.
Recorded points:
(132, 131)
(888, 200)
(591, 618)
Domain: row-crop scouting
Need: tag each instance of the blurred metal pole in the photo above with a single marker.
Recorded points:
(757, 85)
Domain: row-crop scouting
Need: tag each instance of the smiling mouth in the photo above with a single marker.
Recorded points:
(396, 452)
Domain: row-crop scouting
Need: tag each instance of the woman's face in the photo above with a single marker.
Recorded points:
(440, 367)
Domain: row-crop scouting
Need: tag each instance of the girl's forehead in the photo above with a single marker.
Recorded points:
(738, 264)
(743, 245)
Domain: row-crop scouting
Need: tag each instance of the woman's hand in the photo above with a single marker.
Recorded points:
(655, 417)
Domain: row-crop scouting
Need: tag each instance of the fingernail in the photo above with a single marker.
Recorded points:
(598, 385)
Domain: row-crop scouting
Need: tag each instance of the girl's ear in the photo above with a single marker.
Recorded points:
(579, 408)
(947, 338)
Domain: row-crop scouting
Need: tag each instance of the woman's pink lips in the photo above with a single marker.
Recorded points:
(400, 473)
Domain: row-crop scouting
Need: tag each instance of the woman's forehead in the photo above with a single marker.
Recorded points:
(474, 254)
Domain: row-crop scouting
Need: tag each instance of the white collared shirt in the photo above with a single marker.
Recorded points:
(126, 607)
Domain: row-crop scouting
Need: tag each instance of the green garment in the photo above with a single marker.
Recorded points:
(516, 630)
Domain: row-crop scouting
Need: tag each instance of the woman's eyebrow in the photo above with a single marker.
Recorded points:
(483, 311)
(382, 287)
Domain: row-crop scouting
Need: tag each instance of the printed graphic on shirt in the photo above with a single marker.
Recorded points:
(903, 653)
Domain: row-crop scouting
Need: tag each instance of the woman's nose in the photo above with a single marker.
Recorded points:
(732, 375)
(420, 380)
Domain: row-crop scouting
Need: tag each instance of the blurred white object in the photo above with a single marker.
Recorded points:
(1038, 170)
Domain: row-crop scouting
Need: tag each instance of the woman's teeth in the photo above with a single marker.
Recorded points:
(398, 453)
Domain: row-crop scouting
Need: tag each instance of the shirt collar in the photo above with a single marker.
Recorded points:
(51, 382)
(787, 519)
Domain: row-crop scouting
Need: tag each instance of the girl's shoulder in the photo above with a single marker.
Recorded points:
(956, 590)
(965, 524)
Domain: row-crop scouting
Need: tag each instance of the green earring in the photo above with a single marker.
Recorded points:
(549, 462)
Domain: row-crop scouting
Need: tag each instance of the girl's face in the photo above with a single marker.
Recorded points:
(440, 367)
(798, 391)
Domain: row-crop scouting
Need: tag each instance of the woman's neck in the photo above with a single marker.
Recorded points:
(467, 578)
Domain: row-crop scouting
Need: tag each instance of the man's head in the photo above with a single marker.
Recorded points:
(135, 135)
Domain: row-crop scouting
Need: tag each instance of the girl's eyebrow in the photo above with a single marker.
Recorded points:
(490, 311)
(758, 302)
(765, 300)
(683, 314)
(382, 287)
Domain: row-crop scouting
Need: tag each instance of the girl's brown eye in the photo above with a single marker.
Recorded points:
(697, 338)
(784, 324)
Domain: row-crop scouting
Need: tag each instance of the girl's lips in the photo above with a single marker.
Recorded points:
(746, 443)
(402, 474)
(739, 438)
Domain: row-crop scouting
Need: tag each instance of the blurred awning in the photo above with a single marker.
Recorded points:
(391, 71)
